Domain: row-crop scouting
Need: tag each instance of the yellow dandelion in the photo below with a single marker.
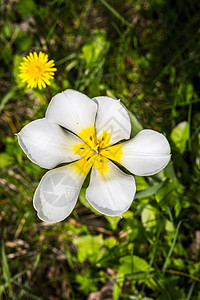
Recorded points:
(36, 70)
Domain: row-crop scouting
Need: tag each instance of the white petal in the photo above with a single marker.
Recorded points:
(72, 110)
(111, 193)
(113, 118)
(47, 144)
(57, 193)
(146, 154)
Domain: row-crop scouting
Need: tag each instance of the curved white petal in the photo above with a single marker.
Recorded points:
(72, 110)
(113, 118)
(111, 193)
(47, 144)
(57, 193)
(146, 154)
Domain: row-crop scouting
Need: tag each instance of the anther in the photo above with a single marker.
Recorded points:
(96, 150)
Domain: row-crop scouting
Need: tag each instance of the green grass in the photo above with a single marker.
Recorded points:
(147, 53)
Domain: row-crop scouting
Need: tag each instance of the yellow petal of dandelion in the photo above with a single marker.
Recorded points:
(36, 70)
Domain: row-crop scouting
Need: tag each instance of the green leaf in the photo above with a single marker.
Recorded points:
(189, 92)
(24, 41)
(131, 264)
(169, 226)
(84, 201)
(135, 124)
(7, 29)
(110, 243)
(149, 191)
(148, 217)
(89, 247)
(113, 221)
(86, 282)
(170, 172)
(5, 160)
(95, 47)
(180, 135)
(118, 288)
(167, 188)
(6, 98)
(26, 7)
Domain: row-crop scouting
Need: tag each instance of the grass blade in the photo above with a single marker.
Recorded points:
(115, 13)
(172, 246)
(6, 271)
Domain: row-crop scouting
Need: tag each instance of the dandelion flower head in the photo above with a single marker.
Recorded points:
(36, 70)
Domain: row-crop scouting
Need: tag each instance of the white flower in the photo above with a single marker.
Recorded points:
(94, 126)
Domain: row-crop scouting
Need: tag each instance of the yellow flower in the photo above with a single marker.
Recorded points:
(36, 70)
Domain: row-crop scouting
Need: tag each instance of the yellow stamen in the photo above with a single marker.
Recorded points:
(113, 152)
(101, 163)
(104, 140)
(83, 165)
(95, 151)
(88, 136)
(83, 150)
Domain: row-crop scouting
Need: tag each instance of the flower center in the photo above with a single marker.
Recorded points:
(37, 69)
(95, 151)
